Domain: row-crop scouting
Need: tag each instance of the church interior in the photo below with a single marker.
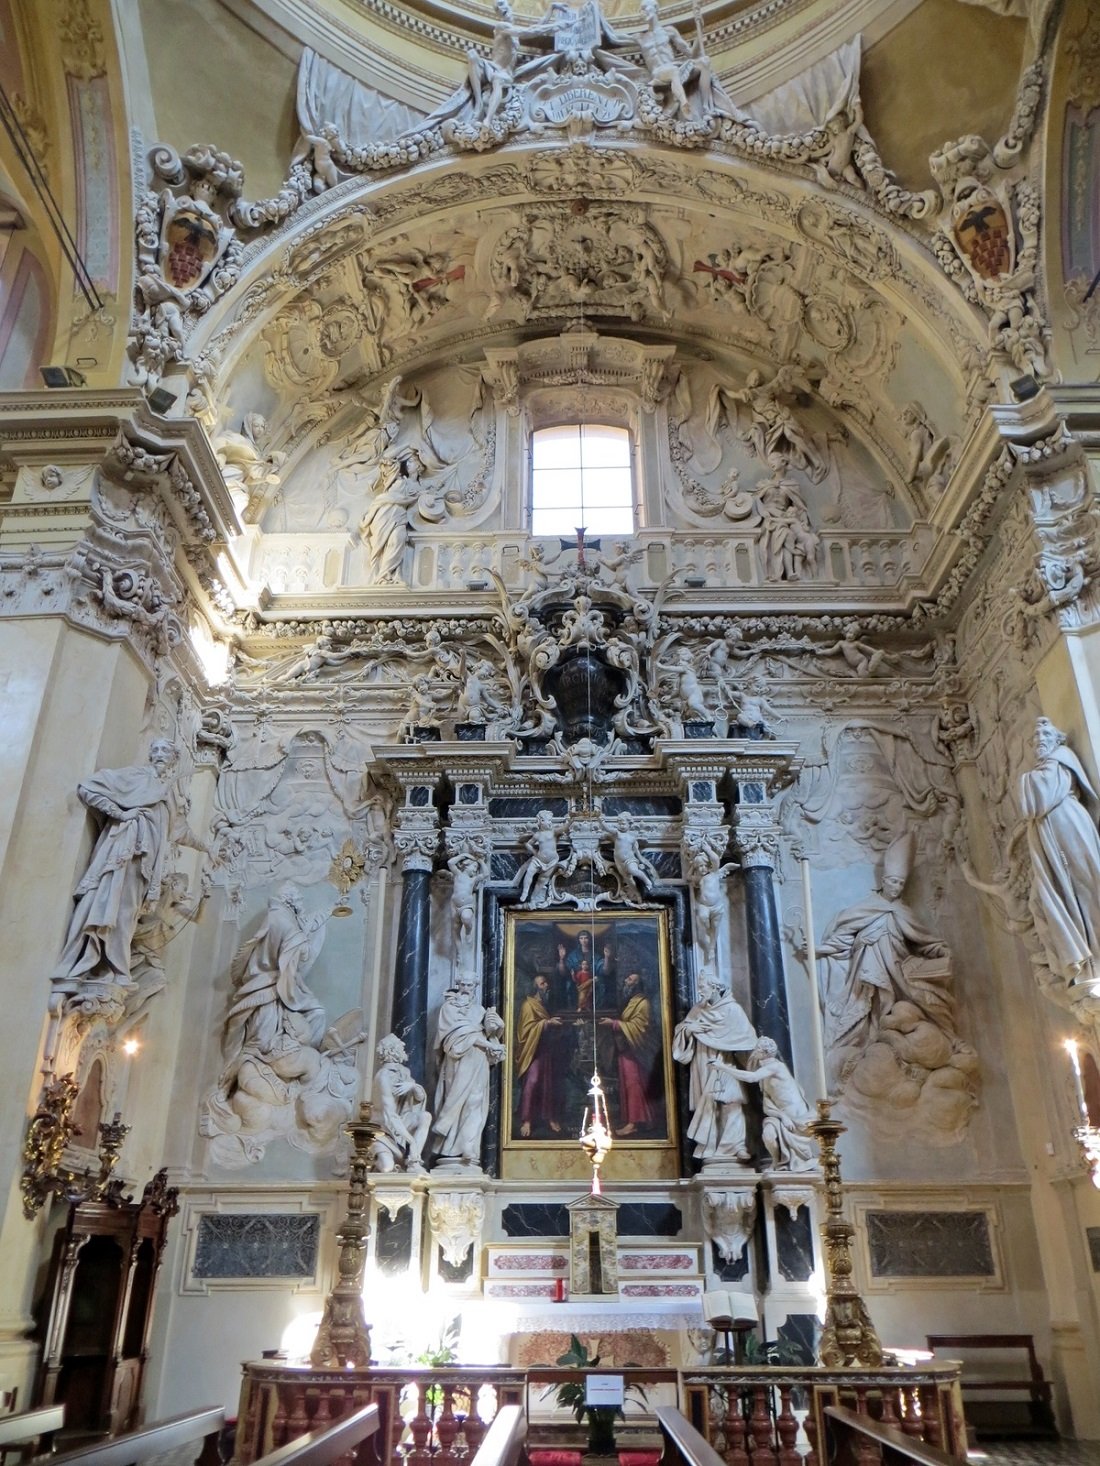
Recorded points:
(551, 692)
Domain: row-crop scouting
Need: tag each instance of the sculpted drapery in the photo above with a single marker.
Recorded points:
(1065, 855)
(142, 818)
(467, 1039)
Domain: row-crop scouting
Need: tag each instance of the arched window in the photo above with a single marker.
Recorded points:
(581, 477)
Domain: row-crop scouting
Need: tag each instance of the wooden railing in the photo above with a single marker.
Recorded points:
(774, 1416)
(193, 1437)
(752, 1416)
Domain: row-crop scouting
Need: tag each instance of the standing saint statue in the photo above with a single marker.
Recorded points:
(714, 1027)
(143, 818)
(397, 494)
(468, 1043)
(1056, 799)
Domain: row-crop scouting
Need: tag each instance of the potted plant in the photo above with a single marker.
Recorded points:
(601, 1418)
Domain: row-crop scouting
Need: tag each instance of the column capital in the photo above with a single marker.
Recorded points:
(755, 836)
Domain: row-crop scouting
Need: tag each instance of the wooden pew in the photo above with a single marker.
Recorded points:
(323, 1447)
(504, 1440)
(1030, 1416)
(198, 1430)
(30, 1431)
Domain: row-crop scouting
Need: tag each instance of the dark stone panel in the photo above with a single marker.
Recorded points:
(930, 1244)
(535, 1219)
(470, 732)
(666, 863)
(794, 1240)
(751, 794)
(662, 804)
(468, 794)
(457, 1272)
(503, 865)
(734, 1270)
(649, 1219)
(702, 791)
(521, 809)
(393, 1241)
(699, 730)
(410, 997)
(420, 795)
(257, 1245)
(768, 988)
(802, 1330)
(635, 1219)
(1093, 1234)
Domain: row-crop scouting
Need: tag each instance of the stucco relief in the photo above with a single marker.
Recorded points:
(287, 1071)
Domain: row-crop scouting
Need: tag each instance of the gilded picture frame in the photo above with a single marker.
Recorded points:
(585, 991)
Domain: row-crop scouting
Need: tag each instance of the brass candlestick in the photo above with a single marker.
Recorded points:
(848, 1336)
(343, 1338)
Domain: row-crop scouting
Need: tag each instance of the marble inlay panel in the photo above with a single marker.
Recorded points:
(930, 1244)
(1093, 1234)
(256, 1245)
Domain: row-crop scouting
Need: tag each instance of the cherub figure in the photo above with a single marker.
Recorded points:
(634, 869)
(538, 871)
(467, 874)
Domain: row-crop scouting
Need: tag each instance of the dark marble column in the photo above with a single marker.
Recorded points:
(756, 840)
(416, 840)
(409, 1018)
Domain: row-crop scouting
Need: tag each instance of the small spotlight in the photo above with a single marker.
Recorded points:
(62, 376)
(477, 585)
(130, 1047)
(695, 582)
(1024, 388)
(161, 400)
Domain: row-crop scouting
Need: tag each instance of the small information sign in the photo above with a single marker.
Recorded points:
(603, 1389)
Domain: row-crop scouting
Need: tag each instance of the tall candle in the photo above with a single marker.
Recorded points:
(1071, 1049)
(815, 994)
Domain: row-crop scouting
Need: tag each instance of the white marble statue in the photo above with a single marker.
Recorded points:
(536, 874)
(927, 456)
(635, 870)
(787, 1115)
(865, 948)
(766, 422)
(467, 1043)
(397, 494)
(1058, 804)
(706, 872)
(789, 542)
(467, 876)
(287, 1071)
(715, 1027)
(673, 65)
(399, 1107)
(687, 695)
(143, 821)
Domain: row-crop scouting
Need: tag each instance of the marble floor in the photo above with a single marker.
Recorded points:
(1036, 1453)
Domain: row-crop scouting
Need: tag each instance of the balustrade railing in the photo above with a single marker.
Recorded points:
(752, 1416)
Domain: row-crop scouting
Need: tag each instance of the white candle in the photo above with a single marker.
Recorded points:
(815, 994)
(1071, 1049)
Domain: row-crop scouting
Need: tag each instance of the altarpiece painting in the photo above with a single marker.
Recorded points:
(585, 993)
